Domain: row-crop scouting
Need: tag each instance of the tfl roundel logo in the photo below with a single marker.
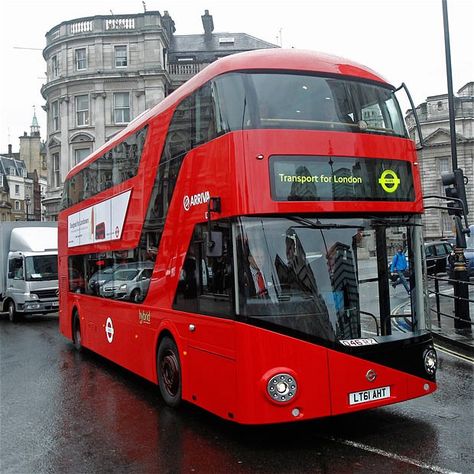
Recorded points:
(389, 181)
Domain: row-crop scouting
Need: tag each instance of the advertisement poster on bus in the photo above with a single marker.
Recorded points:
(99, 223)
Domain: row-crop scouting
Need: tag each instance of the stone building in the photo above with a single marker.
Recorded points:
(103, 71)
(435, 158)
(23, 178)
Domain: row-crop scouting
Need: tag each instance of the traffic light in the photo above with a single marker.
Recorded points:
(455, 183)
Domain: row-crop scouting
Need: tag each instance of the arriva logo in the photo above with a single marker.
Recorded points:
(201, 198)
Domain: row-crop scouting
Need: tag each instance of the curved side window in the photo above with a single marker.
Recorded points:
(112, 168)
(126, 274)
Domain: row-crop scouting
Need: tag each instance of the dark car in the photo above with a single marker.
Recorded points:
(436, 254)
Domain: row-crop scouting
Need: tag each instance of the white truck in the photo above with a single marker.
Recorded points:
(28, 268)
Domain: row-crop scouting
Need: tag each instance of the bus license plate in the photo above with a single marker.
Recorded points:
(369, 395)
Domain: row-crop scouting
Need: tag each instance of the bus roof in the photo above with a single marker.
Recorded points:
(264, 59)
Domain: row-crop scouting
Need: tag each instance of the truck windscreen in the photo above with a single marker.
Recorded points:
(41, 267)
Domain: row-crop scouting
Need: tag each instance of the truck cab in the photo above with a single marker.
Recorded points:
(30, 271)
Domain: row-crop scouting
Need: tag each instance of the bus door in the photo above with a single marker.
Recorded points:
(205, 293)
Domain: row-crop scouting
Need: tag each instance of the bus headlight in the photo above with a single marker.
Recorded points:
(430, 360)
(282, 387)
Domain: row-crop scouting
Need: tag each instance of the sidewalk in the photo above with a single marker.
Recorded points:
(443, 326)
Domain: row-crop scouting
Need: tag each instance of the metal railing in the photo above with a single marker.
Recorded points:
(439, 294)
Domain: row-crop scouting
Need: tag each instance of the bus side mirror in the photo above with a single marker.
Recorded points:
(214, 250)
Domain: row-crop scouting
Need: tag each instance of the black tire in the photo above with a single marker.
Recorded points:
(13, 316)
(76, 333)
(135, 295)
(169, 372)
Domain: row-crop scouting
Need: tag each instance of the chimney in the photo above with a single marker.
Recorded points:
(168, 24)
(207, 23)
(10, 150)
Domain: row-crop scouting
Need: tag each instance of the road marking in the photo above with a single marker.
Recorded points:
(397, 457)
(455, 354)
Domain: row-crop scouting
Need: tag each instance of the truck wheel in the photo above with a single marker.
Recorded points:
(12, 314)
(76, 333)
(169, 372)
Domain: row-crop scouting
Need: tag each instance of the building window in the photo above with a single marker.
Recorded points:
(82, 110)
(55, 66)
(17, 205)
(56, 171)
(55, 115)
(80, 59)
(121, 107)
(121, 56)
(17, 189)
(444, 165)
(81, 154)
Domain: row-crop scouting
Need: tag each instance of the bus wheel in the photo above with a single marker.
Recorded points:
(169, 372)
(76, 333)
(12, 314)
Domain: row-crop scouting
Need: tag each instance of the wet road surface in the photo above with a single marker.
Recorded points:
(68, 412)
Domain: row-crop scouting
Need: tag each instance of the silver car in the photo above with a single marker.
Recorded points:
(129, 284)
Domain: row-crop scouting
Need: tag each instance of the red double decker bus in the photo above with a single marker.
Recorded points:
(234, 243)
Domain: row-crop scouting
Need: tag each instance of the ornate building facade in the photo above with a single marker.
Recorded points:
(435, 157)
(103, 71)
(23, 178)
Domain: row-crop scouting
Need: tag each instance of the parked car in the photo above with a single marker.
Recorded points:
(128, 284)
(99, 278)
(436, 254)
(106, 274)
(436, 257)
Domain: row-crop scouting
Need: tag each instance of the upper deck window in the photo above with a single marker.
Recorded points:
(297, 101)
(113, 167)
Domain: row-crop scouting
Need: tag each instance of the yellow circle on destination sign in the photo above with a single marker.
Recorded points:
(389, 181)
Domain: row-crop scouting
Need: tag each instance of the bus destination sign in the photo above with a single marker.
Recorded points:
(322, 178)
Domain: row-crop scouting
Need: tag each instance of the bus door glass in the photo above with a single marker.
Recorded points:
(205, 293)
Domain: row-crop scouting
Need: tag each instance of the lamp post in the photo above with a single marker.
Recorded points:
(461, 276)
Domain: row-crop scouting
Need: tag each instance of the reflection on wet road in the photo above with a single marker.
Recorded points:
(64, 412)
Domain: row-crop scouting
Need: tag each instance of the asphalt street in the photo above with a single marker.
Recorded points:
(68, 412)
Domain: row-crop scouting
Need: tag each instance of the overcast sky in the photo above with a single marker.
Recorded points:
(400, 39)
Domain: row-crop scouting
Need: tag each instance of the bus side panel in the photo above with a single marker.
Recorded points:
(262, 354)
(349, 374)
(208, 362)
